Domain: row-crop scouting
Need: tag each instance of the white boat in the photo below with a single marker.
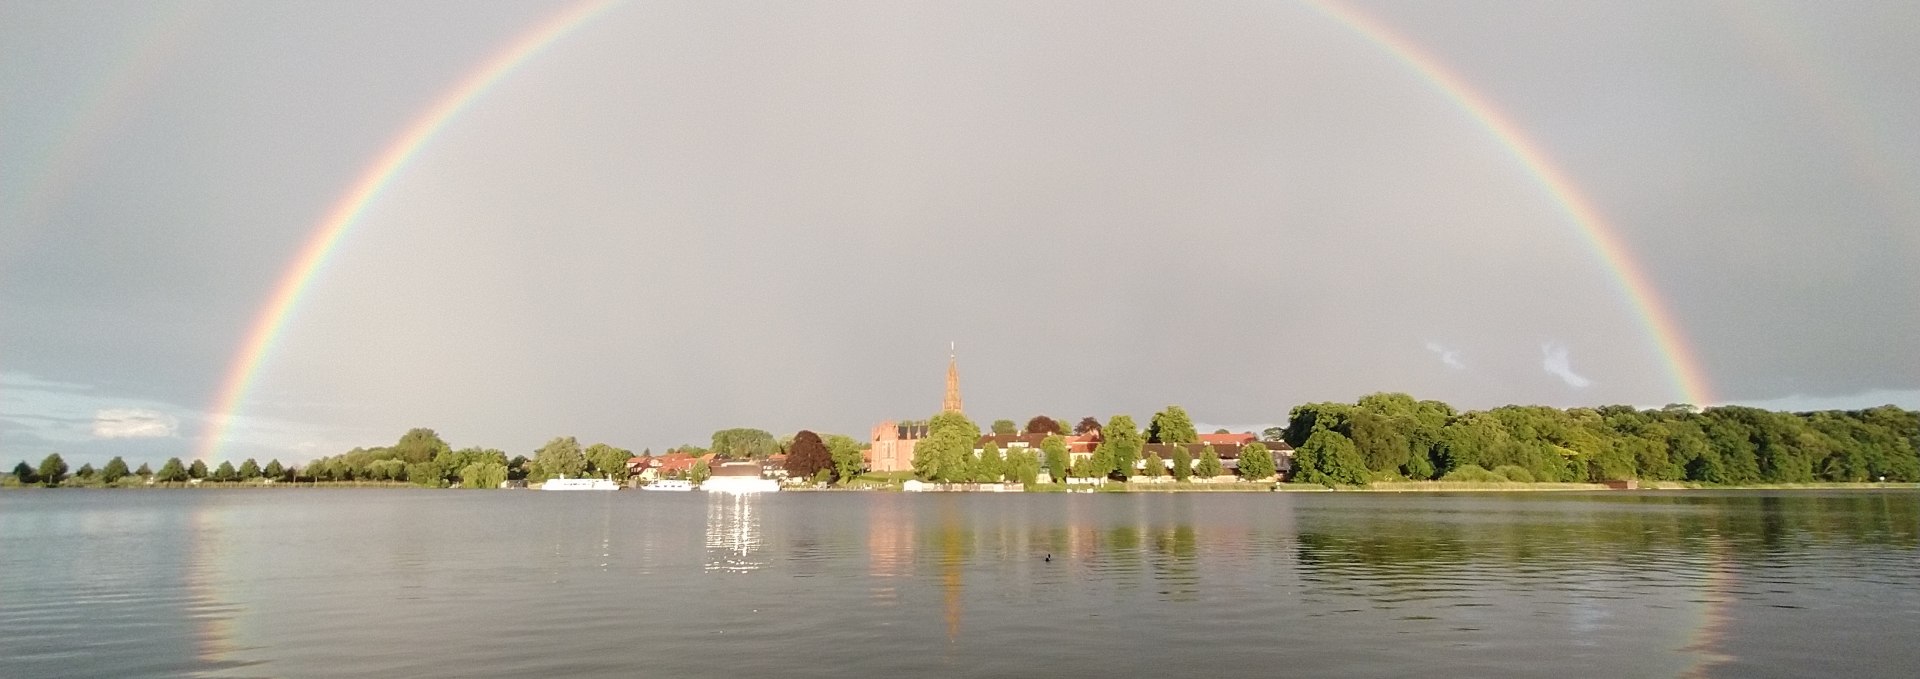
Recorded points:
(739, 477)
(564, 483)
(669, 484)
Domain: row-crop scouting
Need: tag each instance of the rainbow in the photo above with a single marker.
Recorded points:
(1689, 381)
(107, 108)
(348, 210)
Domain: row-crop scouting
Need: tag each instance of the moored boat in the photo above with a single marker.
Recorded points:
(739, 477)
(669, 484)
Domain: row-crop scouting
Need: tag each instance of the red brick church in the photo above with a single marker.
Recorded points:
(892, 449)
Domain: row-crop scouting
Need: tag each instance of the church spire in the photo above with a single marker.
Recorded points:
(952, 404)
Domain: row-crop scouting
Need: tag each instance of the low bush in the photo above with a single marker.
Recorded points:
(1473, 473)
(1514, 473)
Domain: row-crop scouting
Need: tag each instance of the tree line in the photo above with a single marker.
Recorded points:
(1386, 436)
(947, 454)
(1393, 436)
(54, 472)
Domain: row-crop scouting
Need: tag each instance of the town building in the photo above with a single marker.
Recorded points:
(892, 442)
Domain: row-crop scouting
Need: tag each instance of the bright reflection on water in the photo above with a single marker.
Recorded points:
(733, 533)
(301, 582)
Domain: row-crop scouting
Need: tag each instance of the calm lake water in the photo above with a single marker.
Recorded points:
(351, 583)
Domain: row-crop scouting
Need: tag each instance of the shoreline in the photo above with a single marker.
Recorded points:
(1117, 487)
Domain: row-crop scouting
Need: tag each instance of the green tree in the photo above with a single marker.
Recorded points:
(744, 444)
(701, 472)
(225, 472)
(561, 457)
(115, 470)
(172, 471)
(808, 456)
(275, 471)
(427, 474)
(1305, 417)
(25, 474)
(1005, 428)
(849, 459)
(483, 475)
(249, 470)
(1273, 434)
(1182, 464)
(608, 461)
(1154, 466)
(1123, 443)
(391, 470)
(86, 470)
(1256, 463)
(1381, 439)
(53, 470)
(945, 455)
(1023, 466)
(197, 470)
(144, 471)
(1172, 425)
(1209, 466)
(419, 445)
(1328, 458)
(1087, 424)
(1055, 448)
(1086, 468)
(990, 467)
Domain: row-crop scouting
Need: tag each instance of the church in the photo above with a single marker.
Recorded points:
(893, 442)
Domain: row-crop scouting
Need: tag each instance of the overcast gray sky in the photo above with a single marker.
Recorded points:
(689, 216)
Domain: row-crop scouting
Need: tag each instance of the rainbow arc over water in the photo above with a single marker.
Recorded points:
(1689, 380)
(1663, 330)
(345, 212)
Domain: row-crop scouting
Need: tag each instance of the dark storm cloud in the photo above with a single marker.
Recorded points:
(691, 216)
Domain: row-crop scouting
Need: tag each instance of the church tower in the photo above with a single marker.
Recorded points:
(952, 404)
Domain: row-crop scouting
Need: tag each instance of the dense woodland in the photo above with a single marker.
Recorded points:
(1393, 436)
(1381, 437)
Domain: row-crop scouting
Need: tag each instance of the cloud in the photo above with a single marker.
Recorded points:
(1554, 360)
(1451, 357)
(133, 423)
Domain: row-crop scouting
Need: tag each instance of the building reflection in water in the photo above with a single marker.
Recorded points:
(953, 563)
(889, 547)
(733, 533)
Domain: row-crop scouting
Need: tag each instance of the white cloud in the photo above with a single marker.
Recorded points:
(133, 423)
(1554, 360)
(1448, 356)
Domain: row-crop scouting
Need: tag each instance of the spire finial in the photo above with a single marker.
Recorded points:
(952, 403)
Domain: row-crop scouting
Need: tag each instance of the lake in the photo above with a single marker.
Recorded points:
(425, 583)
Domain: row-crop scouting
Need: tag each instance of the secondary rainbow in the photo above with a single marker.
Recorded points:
(1689, 381)
(344, 213)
